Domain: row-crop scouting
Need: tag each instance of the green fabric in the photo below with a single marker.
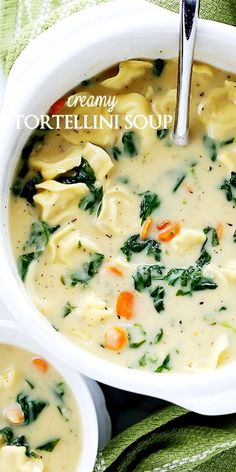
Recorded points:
(173, 439)
(21, 20)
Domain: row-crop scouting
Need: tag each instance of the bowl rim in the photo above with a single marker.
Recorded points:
(12, 334)
(201, 392)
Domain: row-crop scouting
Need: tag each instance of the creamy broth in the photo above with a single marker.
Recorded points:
(39, 419)
(134, 235)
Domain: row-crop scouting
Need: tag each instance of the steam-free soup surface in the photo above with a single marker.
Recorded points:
(135, 236)
(39, 420)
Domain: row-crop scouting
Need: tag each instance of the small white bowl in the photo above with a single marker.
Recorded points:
(74, 49)
(85, 394)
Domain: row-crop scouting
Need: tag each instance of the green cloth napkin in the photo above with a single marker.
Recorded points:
(173, 439)
(23, 20)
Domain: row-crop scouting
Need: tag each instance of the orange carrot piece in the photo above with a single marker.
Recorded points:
(115, 271)
(145, 228)
(219, 231)
(41, 364)
(163, 224)
(57, 106)
(125, 305)
(189, 188)
(169, 233)
(115, 338)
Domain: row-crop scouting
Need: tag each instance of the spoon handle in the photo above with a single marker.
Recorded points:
(187, 36)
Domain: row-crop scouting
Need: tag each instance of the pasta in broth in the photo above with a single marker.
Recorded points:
(135, 235)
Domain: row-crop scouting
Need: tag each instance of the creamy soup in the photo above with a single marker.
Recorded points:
(126, 243)
(39, 420)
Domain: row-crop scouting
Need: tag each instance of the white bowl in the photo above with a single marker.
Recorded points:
(74, 49)
(85, 394)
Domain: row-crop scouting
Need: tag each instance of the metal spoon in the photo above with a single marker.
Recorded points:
(187, 35)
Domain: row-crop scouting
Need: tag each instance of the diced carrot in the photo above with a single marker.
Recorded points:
(145, 228)
(169, 232)
(163, 224)
(219, 231)
(57, 106)
(41, 364)
(115, 338)
(14, 414)
(125, 305)
(115, 271)
(189, 188)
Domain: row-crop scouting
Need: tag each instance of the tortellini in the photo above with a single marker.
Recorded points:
(228, 158)
(98, 159)
(165, 104)
(214, 360)
(94, 310)
(55, 164)
(8, 378)
(67, 244)
(128, 72)
(56, 201)
(203, 69)
(226, 274)
(218, 111)
(13, 458)
(119, 213)
(186, 240)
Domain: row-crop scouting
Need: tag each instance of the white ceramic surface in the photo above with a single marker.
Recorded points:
(96, 426)
(74, 49)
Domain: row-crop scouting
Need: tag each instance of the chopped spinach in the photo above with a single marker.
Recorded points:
(226, 142)
(182, 293)
(145, 274)
(24, 262)
(93, 200)
(26, 188)
(150, 202)
(136, 336)
(116, 152)
(191, 278)
(86, 272)
(31, 385)
(158, 298)
(214, 237)
(68, 308)
(179, 182)
(204, 258)
(229, 187)
(48, 446)
(211, 147)
(158, 66)
(165, 365)
(159, 336)
(162, 133)
(128, 140)
(80, 174)
(234, 236)
(134, 244)
(39, 234)
(7, 435)
(59, 390)
(31, 408)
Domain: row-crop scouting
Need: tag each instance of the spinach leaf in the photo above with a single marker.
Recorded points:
(149, 203)
(159, 336)
(234, 236)
(48, 446)
(8, 438)
(39, 234)
(24, 262)
(134, 244)
(182, 293)
(93, 200)
(226, 142)
(158, 66)
(80, 174)
(179, 182)
(204, 258)
(128, 140)
(68, 308)
(136, 336)
(7, 434)
(26, 188)
(35, 141)
(191, 277)
(145, 274)
(86, 272)
(31, 385)
(59, 390)
(116, 152)
(165, 365)
(158, 298)
(31, 408)
(162, 133)
(210, 146)
(228, 186)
